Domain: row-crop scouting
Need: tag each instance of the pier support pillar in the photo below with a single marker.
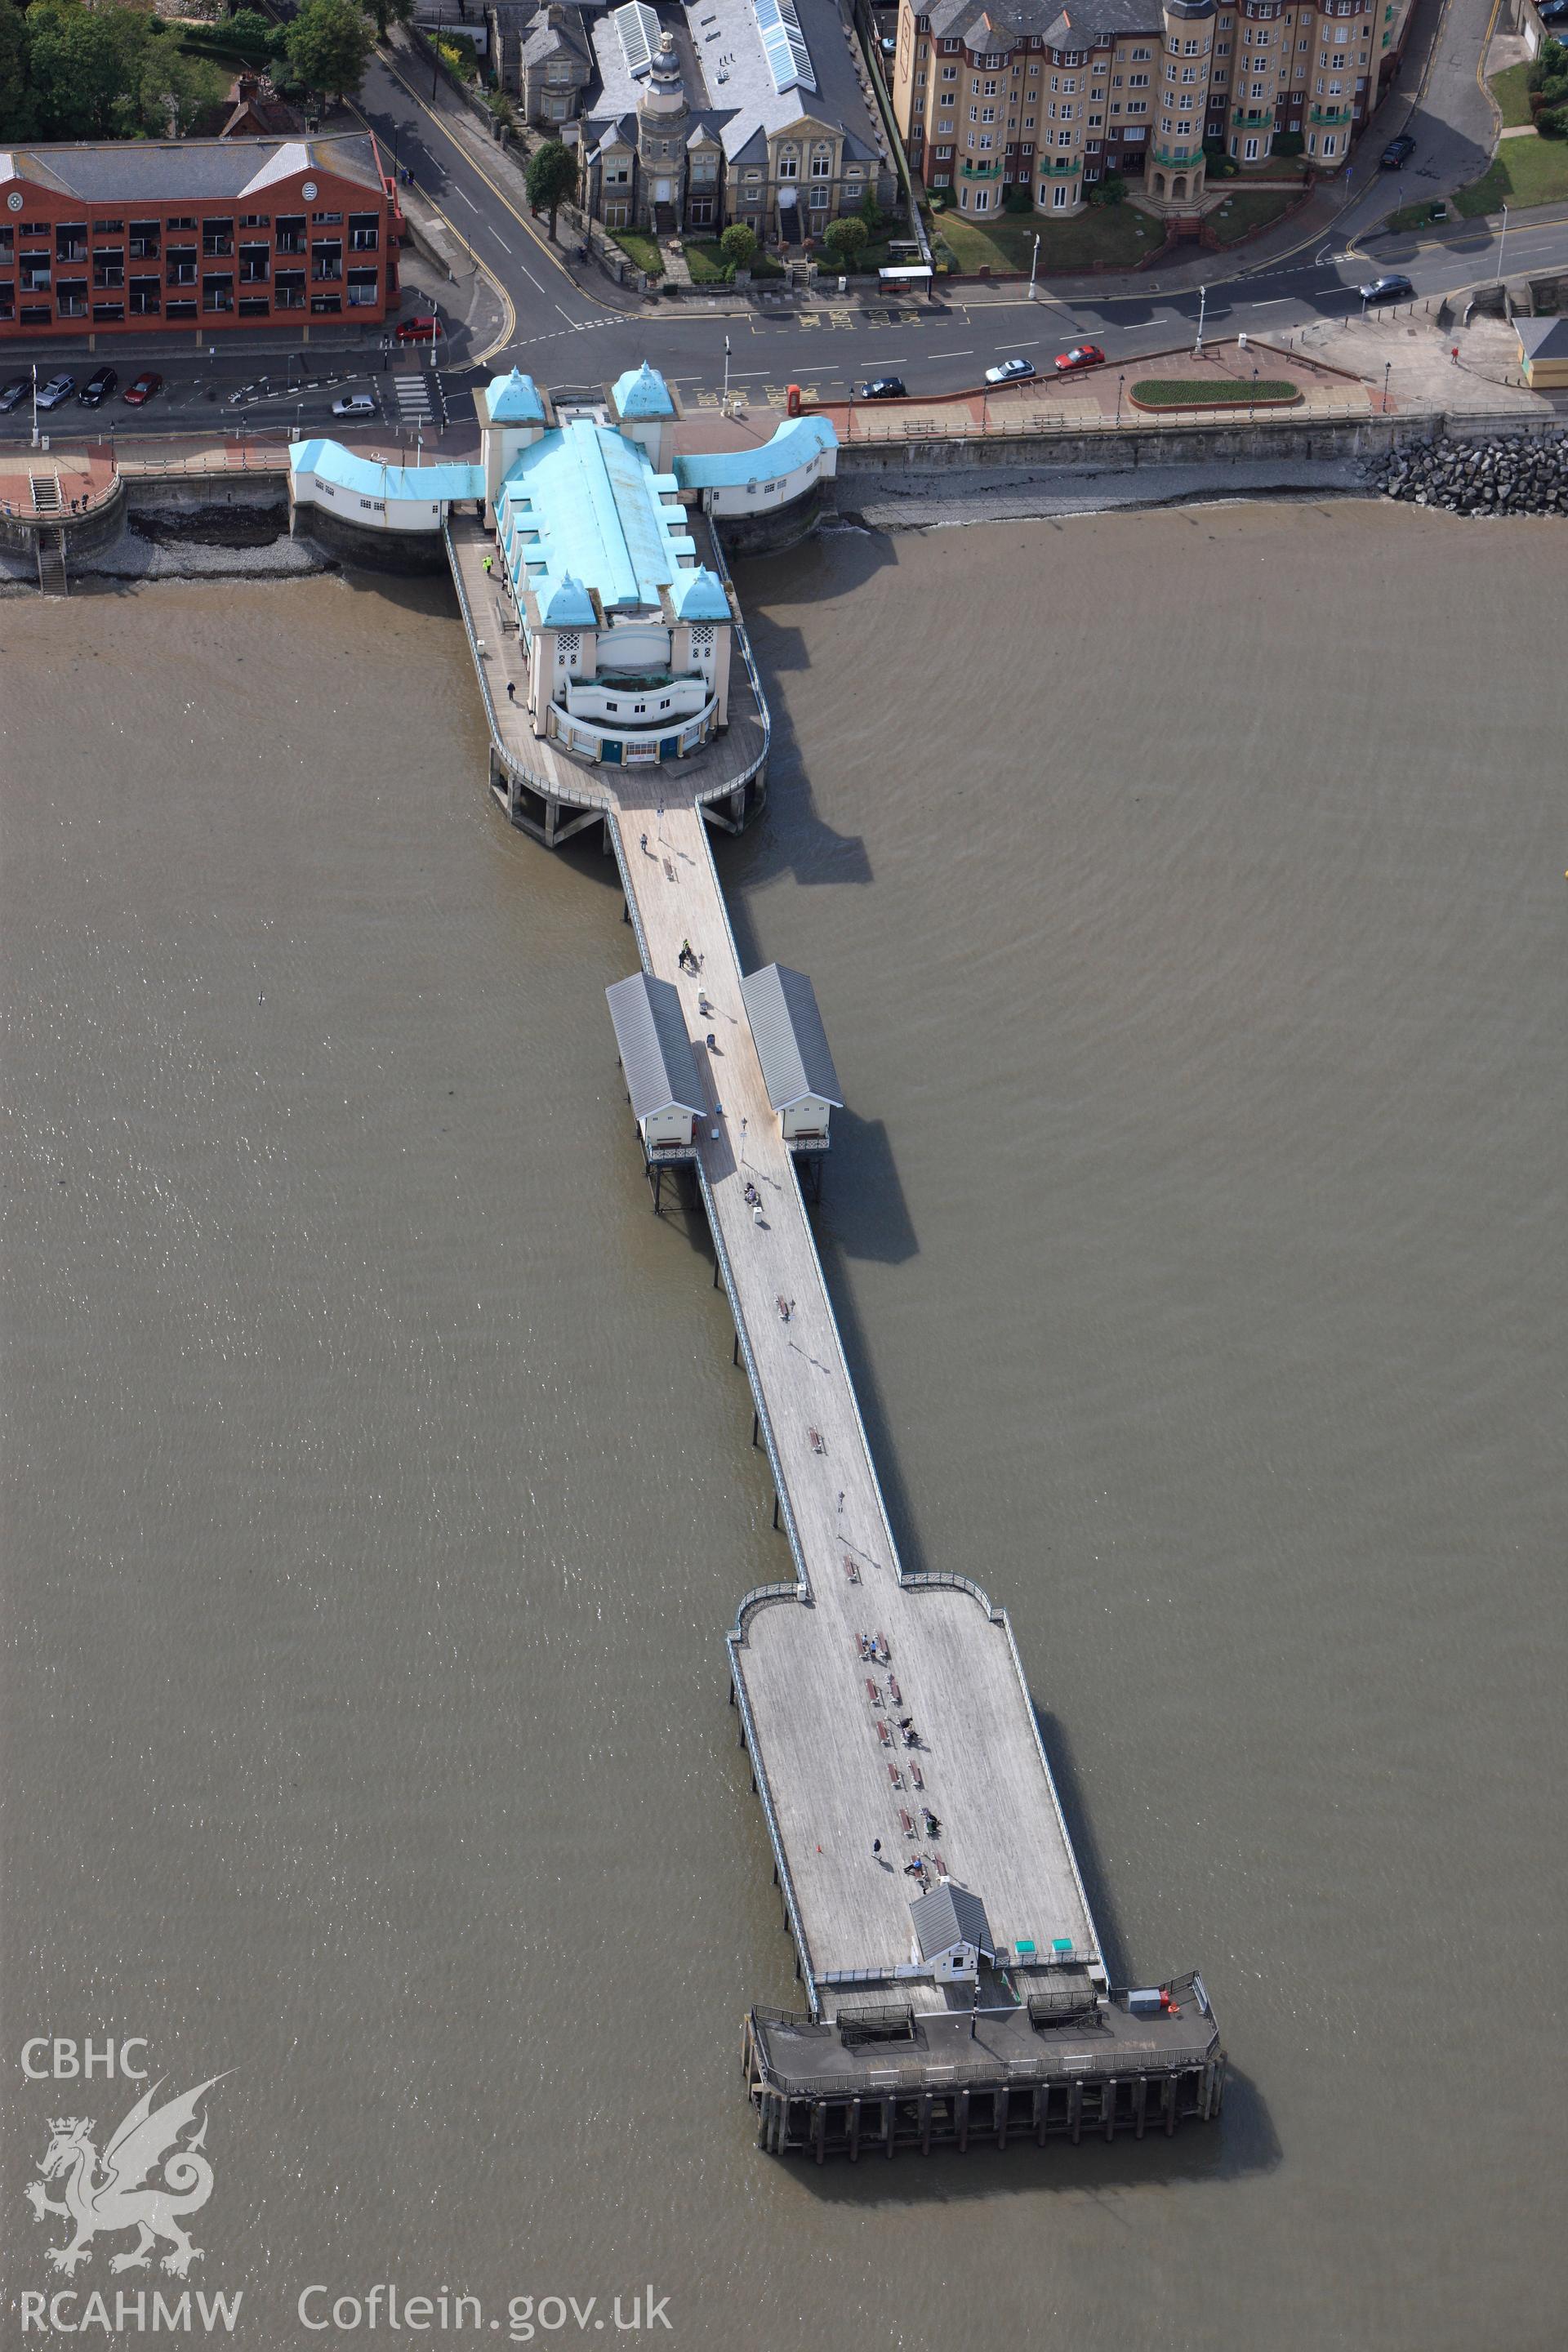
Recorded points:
(819, 2129)
(735, 1350)
(756, 1426)
(891, 2109)
(1000, 2102)
(1140, 2104)
(928, 2103)
(1109, 2095)
(854, 2129)
(1075, 2111)
(962, 2114)
(1038, 2118)
(765, 2118)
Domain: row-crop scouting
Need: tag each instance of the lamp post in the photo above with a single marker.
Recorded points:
(1387, 372)
(1203, 308)
(34, 404)
(1034, 265)
(726, 372)
(1502, 240)
(1120, 381)
(1252, 400)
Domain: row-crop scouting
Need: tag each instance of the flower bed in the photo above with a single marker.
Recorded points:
(1210, 392)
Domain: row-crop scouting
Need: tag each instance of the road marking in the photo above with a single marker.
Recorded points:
(1276, 302)
(500, 240)
(571, 321)
(737, 374)
(467, 198)
(968, 354)
(500, 195)
(1019, 347)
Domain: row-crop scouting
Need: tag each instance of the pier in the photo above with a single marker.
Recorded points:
(953, 1982)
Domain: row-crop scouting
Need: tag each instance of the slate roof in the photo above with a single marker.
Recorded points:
(163, 171)
(729, 83)
(796, 443)
(950, 1914)
(367, 477)
(1078, 25)
(655, 1050)
(791, 1042)
(1542, 338)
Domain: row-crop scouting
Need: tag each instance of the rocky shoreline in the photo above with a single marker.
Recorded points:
(1479, 478)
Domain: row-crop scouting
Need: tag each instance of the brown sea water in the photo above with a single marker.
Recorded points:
(1185, 894)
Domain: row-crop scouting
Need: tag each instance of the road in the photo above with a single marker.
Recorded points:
(570, 334)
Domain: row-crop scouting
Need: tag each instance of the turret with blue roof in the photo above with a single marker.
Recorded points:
(642, 392)
(514, 399)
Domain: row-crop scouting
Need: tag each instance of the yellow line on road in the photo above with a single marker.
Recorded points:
(499, 193)
(509, 308)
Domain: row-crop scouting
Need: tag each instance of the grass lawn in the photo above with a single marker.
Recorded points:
(640, 250)
(1411, 216)
(708, 267)
(1511, 94)
(1270, 167)
(1525, 171)
(1107, 232)
(1209, 392)
(1253, 208)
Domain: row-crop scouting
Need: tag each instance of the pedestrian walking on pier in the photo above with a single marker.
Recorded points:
(510, 691)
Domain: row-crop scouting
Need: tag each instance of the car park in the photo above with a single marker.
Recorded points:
(881, 387)
(59, 388)
(419, 330)
(98, 387)
(1009, 371)
(1386, 289)
(1082, 355)
(1397, 153)
(13, 392)
(137, 395)
(355, 404)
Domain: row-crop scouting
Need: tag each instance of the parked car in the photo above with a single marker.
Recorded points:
(1386, 289)
(137, 395)
(59, 388)
(13, 392)
(881, 387)
(98, 387)
(1082, 355)
(1553, 12)
(1398, 152)
(355, 404)
(419, 330)
(1009, 371)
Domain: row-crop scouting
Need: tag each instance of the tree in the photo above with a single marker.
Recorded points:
(552, 178)
(84, 66)
(19, 108)
(173, 90)
(504, 114)
(1112, 190)
(847, 238)
(871, 212)
(330, 43)
(737, 245)
(390, 12)
(247, 25)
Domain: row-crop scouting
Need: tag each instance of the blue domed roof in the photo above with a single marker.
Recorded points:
(642, 392)
(514, 400)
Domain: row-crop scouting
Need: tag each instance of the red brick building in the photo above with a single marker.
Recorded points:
(128, 236)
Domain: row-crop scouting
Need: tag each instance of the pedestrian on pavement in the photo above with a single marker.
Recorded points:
(642, 844)
(489, 560)
(875, 1845)
(510, 691)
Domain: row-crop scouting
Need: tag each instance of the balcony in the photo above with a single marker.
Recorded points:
(1252, 117)
(1178, 159)
(1057, 166)
(1330, 117)
(981, 171)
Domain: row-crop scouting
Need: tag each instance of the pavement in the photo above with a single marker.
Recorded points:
(515, 297)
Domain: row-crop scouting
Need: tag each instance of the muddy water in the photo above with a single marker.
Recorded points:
(1184, 895)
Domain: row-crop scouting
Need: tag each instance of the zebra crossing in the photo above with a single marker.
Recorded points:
(412, 393)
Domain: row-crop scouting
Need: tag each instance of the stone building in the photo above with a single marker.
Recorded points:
(755, 110)
(1029, 94)
(554, 66)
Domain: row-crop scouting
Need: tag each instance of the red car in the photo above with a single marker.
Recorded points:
(137, 395)
(1081, 355)
(419, 330)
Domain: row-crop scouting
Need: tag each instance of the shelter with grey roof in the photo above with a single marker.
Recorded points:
(951, 1933)
(791, 1046)
(656, 1056)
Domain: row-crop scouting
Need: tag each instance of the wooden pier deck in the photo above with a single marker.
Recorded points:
(830, 1761)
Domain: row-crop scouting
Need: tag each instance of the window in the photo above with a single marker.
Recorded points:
(326, 258)
(181, 268)
(1136, 106)
(326, 220)
(255, 262)
(217, 291)
(35, 274)
(950, 73)
(789, 167)
(105, 314)
(35, 228)
(144, 240)
(1137, 81)
(146, 295)
(182, 221)
(988, 90)
(177, 312)
(292, 233)
(325, 306)
(364, 287)
(364, 233)
(218, 237)
(1060, 197)
(255, 220)
(108, 266)
(988, 114)
(71, 300)
(70, 241)
(822, 162)
(819, 199)
(982, 200)
(288, 290)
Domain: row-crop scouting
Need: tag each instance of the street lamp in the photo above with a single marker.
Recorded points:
(34, 404)
(1502, 240)
(726, 372)
(1120, 381)
(1387, 372)
(1202, 308)
(1034, 265)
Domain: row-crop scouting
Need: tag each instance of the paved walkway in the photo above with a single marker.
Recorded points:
(827, 1745)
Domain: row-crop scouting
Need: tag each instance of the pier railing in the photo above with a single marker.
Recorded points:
(744, 640)
(757, 1599)
(775, 1836)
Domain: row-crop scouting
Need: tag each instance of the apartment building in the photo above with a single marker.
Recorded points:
(1028, 94)
(127, 236)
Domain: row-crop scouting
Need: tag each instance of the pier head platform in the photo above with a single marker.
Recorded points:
(952, 1985)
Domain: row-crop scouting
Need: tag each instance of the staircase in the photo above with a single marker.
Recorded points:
(47, 496)
(53, 579)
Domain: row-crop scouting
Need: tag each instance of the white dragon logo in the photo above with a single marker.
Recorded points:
(113, 2192)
